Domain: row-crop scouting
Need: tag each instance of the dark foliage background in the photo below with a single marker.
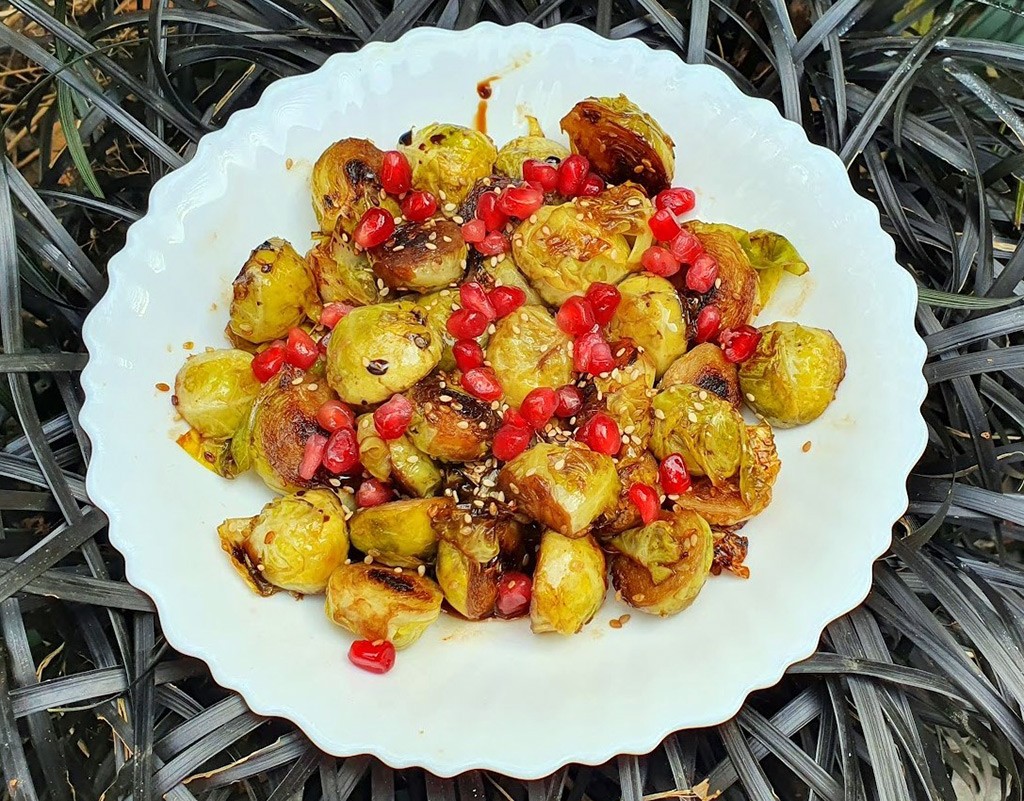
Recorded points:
(916, 695)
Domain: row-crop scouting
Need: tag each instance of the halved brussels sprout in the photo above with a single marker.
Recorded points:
(346, 182)
(622, 142)
(399, 533)
(651, 314)
(213, 454)
(342, 273)
(376, 351)
(421, 256)
(641, 468)
(529, 350)
(794, 373)
(273, 293)
(706, 367)
(448, 159)
(523, 148)
(702, 427)
(569, 583)
(449, 424)
(376, 603)
(503, 272)
(294, 543)
(563, 487)
(660, 568)
(396, 460)
(625, 394)
(736, 291)
(214, 391)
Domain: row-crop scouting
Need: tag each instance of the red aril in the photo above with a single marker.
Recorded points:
(392, 417)
(685, 246)
(506, 299)
(520, 201)
(572, 172)
(675, 478)
(332, 313)
(419, 206)
(678, 199)
(395, 173)
(488, 211)
(709, 321)
(334, 415)
(592, 185)
(538, 406)
(663, 225)
(510, 441)
(600, 433)
(312, 456)
(268, 363)
(513, 418)
(374, 228)
(645, 499)
(659, 261)
(377, 656)
(541, 173)
(474, 231)
(373, 492)
(604, 300)
(514, 593)
(342, 452)
(301, 350)
(592, 354)
(701, 276)
(576, 316)
(481, 382)
(466, 324)
(494, 243)
(472, 296)
(739, 344)
(570, 401)
(468, 354)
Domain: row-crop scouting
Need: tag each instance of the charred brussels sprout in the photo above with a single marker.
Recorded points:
(274, 291)
(346, 182)
(342, 274)
(702, 427)
(639, 469)
(294, 544)
(448, 424)
(396, 460)
(622, 142)
(523, 148)
(660, 568)
(651, 315)
(421, 256)
(563, 487)
(625, 394)
(399, 533)
(794, 373)
(706, 367)
(375, 603)
(376, 351)
(529, 350)
(448, 159)
(569, 583)
(736, 291)
(214, 391)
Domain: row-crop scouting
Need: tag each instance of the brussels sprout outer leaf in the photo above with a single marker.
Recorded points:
(569, 583)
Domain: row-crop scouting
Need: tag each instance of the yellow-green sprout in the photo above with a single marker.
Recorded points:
(448, 159)
(346, 182)
(651, 314)
(534, 145)
(273, 293)
(214, 391)
(399, 533)
(528, 350)
(569, 583)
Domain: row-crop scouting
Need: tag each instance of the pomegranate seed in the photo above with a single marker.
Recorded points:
(663, 225)
(395, 173)
(466, 324)
(506, 299)
(592, 354)
(468, 354)
(419, 206)
(342, 452)
(539, 406)
(678, 199)
(685, 246)
(301, 350)
(576, 316)
(374, 228)
(570, 401)
(510, 441)
(709, 321)
(739, 344)
(572, 172)
(374, 657)
(487, 210)
(481, 382)
(659, 261)
(268, 363)
(601, 434)
(675, 478)
(702, 274)
(472, 296)
(645, 499)
(604, 300)
(312, 456)
(373, 493)
(513, 418)
(334, 415)
(392, 417)
(494, 243)
(521, 201)
(333, 313)
(474, 231)
(514, 593)
(592, 185)
(541, 173)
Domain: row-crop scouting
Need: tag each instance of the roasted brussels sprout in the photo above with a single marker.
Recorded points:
(523, 148)
(342, 273)
(569, 583)
(448, 159)
(503, 272)
(736, 291)
(376, 351)
(421, 256)
(489, 183)
(346, 182)
(214, 391)
(274, 291)
(794, 373)
(563, 487)
(294, 544)
(399, 533)
(651, 315)
(706, 367)
(213, 454)
(376, 603)
(622, 142)
(529, 350)
(449, 424)
(396, 460)
(639, 469)
(625, 393)
(702, 427)
(660, 568)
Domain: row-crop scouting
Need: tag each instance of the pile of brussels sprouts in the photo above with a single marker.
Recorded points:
(500, 376)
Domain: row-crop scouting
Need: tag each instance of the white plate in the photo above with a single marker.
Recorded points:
(491, 695)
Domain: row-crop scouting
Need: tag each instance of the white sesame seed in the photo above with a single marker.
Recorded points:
(702, 395)
(397, 249)
(458, 219)
(296, 381)
(698, 406)
(432, 237)
(334, 482)
(422, 570)
(579, 216)
(384, 292)
(441, 194)
(750, 397)
(462, 424)
(545, 230)
(482, 425)
(368, 559)
(491, 328)
(450, 207)
(692, 417)
(718, 283)
(446, 238)
(533, 218)
(430, 246)
(634, 201)
(516, 329)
